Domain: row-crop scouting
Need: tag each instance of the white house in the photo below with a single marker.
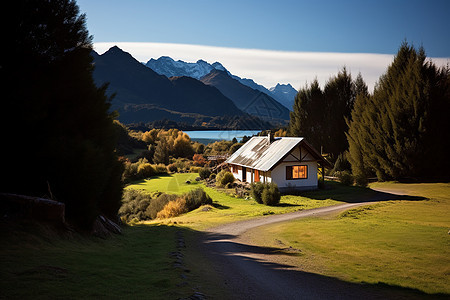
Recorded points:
(290, 162)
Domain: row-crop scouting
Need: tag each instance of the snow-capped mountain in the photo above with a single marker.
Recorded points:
(285, 94)
(169, 67)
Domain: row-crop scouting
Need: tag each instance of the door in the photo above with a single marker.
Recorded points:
(244, 174)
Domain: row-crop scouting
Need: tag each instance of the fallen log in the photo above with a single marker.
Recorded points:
(34, 207)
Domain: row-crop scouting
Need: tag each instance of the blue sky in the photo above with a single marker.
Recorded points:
(376, 27)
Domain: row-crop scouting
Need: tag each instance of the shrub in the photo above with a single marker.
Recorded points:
(160, 169)
(271, 195)
(212, 176)
(172, 168)
(196, 198)
(223, 178)
(345, 177)
(145, 170)
(256, 190)
(266, 193)
(173, 209)
(195, 169)
(156, 205)
(204, 173)
(361, 180)
(134, 205)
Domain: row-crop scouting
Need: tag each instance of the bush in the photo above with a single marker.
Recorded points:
(266, 193)
(156, 205)
(160, 169)
(271, 195)
(223, 178)
(256, 190)
(195, 169)
(173, 209)
(345, 177)
(361, 180)
(196, 198)
(134, 205)
(172, 168)
(204, 173)
(145, 170)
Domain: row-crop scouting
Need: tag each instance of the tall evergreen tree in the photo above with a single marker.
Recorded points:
(320, 116)
(308, 116)
(339, 93)
(60, 135)
(394, 133)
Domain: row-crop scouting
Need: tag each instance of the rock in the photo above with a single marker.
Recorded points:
(188, 181)
(198, 179)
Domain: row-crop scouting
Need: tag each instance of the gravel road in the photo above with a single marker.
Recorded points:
(255, 272)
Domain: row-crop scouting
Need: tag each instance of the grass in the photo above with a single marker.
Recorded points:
(402, 243)
(42, 264)
(226, 208)
(170, 183)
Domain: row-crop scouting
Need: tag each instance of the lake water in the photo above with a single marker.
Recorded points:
(208, 136)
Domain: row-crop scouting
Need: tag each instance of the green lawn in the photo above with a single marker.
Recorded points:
(171, 184)
(134, 265)
(402, 243)
(226, 208)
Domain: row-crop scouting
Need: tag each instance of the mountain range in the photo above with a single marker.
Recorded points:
(284, 94)
(143, 96)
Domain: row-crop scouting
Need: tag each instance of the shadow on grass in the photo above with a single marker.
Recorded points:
(250, 272)
(141, 256)
(220, 206)
(351, 194)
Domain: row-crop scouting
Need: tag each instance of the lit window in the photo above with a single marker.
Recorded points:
(296, 172)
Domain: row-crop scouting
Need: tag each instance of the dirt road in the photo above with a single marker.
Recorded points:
(254, 272)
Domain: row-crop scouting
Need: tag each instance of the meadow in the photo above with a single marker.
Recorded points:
(226, 207)
(401, 243)
(394, 242)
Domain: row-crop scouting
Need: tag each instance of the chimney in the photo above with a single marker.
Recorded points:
(270, 137)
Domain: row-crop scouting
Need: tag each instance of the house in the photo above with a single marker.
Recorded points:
(290, 162)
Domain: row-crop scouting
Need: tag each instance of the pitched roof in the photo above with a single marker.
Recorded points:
(261, 155)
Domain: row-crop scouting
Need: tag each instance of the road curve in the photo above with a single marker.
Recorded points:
(249, 273)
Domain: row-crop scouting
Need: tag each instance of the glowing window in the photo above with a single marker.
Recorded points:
(296, 172)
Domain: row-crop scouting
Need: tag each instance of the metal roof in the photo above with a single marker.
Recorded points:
(259, 154)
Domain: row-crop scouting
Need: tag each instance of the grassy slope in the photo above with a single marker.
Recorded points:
(226, 208)
(403, 243)
(133, 265)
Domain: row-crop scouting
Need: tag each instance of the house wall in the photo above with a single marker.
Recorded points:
(279, 176)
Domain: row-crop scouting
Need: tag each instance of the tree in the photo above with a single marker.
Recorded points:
(49, 94)
(308, 116)
(161, 155)
(339, 96)
(393, 133)
(320, 116)
(182, 146)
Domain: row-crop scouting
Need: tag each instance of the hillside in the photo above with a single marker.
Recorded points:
(247, 99)
(142, 95)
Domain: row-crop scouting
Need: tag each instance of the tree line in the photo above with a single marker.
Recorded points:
(399, 131)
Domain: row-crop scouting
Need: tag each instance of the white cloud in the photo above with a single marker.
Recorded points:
(269, 67)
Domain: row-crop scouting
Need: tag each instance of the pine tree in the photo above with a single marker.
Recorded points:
(394, 133)
(308, 116)
(339, 93)
(60, 134)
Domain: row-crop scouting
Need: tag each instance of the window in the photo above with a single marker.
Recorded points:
(296, 172)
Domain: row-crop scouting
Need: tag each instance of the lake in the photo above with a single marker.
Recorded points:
(209, 136)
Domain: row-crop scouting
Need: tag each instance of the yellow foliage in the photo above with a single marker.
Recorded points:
(173, 209)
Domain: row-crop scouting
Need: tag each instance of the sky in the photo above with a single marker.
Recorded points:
(273, 42)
